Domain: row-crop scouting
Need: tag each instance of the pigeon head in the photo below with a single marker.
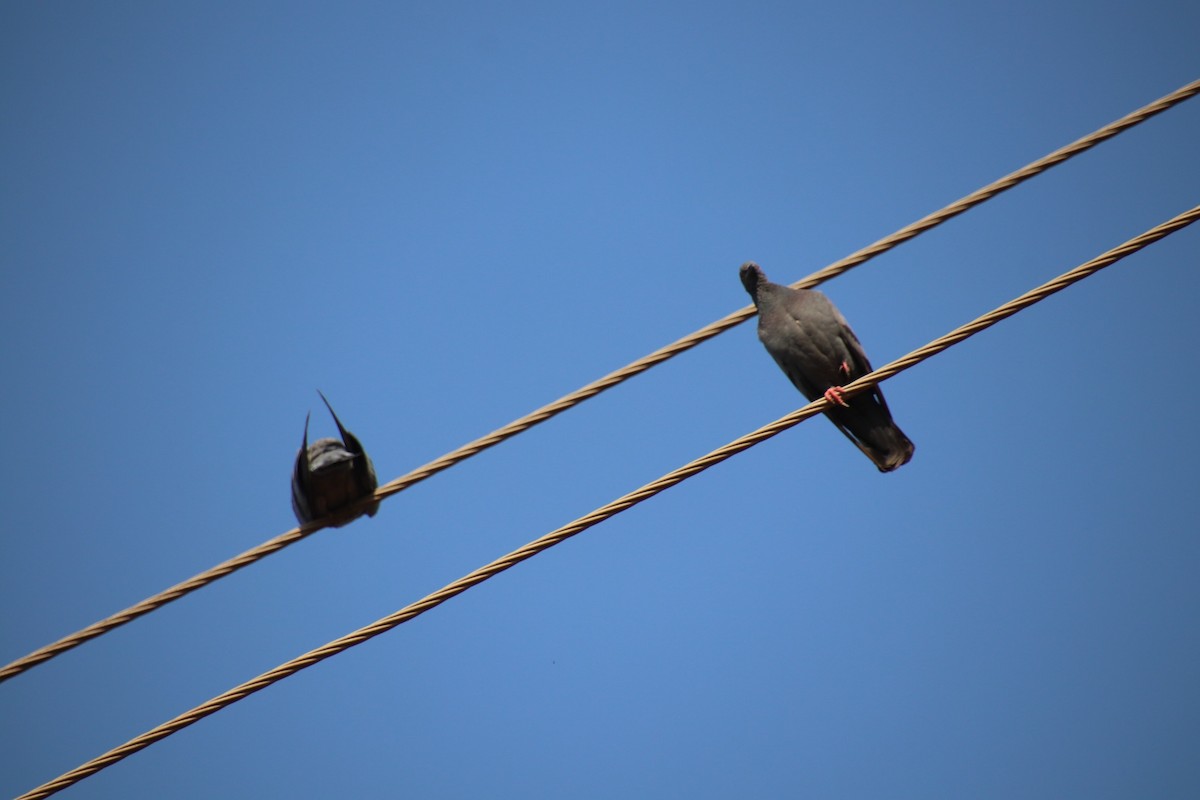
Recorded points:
(329, 455)
(751, 275)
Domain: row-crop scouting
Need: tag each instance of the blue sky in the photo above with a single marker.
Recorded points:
(445, 215)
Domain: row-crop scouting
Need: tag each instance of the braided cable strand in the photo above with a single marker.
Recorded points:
(1007, 182)
(611, 509)
(833, 270)
(105, 625)
(608, 381)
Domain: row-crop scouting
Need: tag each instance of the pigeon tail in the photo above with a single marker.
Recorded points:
(868, 423)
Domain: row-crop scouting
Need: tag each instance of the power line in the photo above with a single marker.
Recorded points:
(611, 509)
(607, 382)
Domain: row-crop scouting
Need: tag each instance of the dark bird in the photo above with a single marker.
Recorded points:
(812, 343)
(330, 475)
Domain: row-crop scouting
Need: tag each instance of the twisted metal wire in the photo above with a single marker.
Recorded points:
(608, 381)
(611, 509)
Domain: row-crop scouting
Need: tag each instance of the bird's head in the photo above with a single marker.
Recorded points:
(751, 275)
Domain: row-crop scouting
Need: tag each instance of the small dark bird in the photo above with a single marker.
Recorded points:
(330, 475)
(812, 343)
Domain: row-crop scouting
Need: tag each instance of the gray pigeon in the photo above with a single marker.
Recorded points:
(812, 343)
(330, 475)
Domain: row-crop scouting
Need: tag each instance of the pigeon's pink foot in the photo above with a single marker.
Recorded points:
(845, 368)
(834, 395)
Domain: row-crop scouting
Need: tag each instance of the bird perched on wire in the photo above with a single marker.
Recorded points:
(330, 475)
(812, 343)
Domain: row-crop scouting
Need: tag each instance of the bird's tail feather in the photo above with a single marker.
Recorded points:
(868, 423)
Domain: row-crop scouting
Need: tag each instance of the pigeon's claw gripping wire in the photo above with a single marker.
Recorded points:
(834, 395)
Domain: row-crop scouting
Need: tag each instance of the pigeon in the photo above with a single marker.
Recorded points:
(330, 475)
(812, 343)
